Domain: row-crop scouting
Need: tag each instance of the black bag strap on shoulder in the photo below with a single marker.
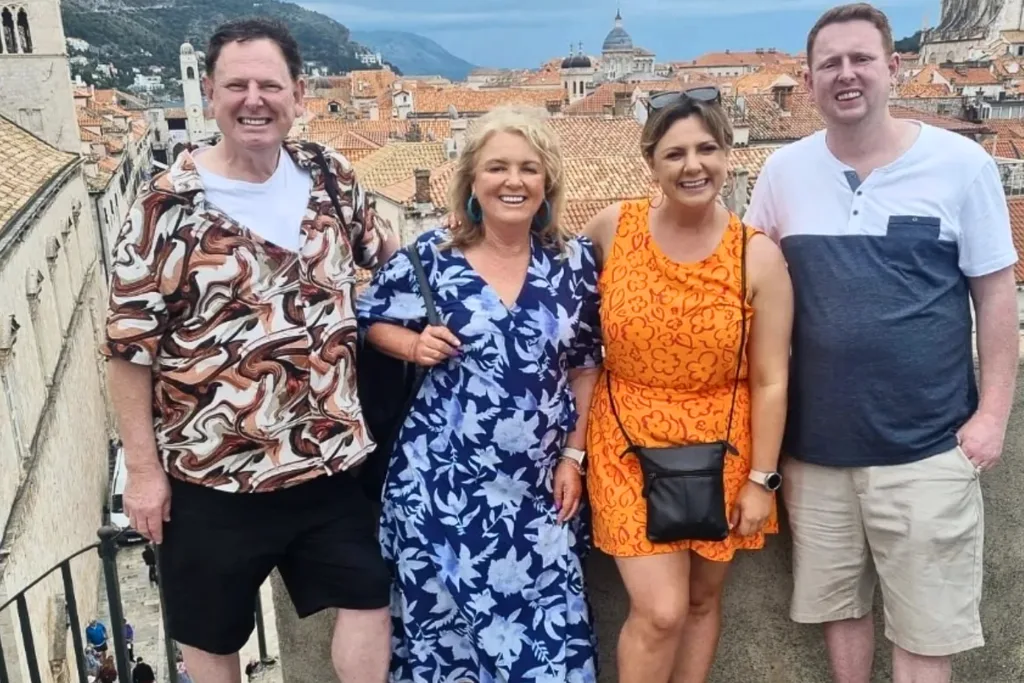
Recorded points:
(421, 278)
(632, 447)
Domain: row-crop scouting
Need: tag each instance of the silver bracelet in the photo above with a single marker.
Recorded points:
(575, 464)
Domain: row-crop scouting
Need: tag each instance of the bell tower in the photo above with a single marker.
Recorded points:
(35, 72)
(193, 92)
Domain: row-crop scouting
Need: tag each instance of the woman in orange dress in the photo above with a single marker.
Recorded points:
(671, 287)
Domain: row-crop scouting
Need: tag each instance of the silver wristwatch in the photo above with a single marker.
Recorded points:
(771, 481)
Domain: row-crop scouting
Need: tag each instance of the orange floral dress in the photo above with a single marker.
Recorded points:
(671, 333)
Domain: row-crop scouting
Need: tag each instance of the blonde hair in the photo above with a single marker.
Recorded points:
(530, 123)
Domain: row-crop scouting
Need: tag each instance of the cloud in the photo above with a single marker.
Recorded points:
(453, 13)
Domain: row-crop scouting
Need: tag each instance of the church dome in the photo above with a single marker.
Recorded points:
(187, 49)
(576, 62)
(617, 39)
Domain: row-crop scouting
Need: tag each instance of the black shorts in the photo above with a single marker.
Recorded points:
(219, 548)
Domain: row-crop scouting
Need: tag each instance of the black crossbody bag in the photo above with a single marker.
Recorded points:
(684, 485)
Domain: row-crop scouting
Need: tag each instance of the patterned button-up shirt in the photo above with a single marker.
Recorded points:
(252, 345)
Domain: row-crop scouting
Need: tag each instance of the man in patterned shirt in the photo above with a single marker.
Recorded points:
(231, 338)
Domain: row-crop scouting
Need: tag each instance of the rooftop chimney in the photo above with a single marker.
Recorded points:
(737, 199)
(783, 94)
(422, 176)
(622, 103)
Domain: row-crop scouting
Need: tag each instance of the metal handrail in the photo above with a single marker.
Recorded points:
(108, 548)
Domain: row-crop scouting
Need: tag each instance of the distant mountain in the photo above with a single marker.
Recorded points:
(139, 33)
(415, 54)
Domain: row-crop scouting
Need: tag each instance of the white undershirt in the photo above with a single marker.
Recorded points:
(273, 209)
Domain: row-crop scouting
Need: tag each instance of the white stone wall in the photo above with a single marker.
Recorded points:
(37, 91)
(53, 378)
(409, 223)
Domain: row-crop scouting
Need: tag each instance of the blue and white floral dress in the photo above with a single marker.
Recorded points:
(487, 585)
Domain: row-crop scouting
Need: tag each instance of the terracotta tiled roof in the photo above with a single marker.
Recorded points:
(763, 82)
(1008, 149)
(1016, 206)
(768, 124)
(89, 117)
(752, 159)
(908, 90)
(598, 102)
(402, 192)
(370, 83)
(590, 136)
(29, 164)
(961, 76)
(1008, 66)
(110, 164)
(579, 213)
(1009, 139)
(439, 179)
(380, 131)
(397, 161)
(607, 178)
(140, 126)
(437, 100)
(713, 59)
(948, 122)
(113, 143)
(1006, 127)
(927, 75)
(542, 78)
(317, 106)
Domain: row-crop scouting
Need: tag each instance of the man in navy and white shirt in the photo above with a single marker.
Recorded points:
(890, 229)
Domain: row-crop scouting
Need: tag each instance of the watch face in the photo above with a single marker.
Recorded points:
(773, 481)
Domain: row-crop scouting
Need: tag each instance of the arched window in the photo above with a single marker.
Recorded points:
(24, 33)
(7, 20)
(333, 107)
(190, 73)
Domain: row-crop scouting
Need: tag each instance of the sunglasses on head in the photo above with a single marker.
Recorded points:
(708, 94)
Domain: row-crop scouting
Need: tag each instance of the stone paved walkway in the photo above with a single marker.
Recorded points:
(141, 604)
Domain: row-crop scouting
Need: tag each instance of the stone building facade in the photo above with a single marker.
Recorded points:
(974, 29)
(37, 92)
(54, 424)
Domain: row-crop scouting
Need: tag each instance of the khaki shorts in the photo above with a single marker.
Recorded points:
(922, 523)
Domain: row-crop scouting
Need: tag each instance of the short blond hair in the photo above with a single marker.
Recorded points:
(530, 123)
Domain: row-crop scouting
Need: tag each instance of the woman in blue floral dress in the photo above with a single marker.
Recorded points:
(480, 518)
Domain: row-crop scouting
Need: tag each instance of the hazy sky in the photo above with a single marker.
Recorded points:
(525, 33)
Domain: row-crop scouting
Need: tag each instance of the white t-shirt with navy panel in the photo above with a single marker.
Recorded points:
(273, 209)
(882, 366)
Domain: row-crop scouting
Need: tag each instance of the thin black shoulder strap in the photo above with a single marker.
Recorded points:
(743, 329)
(421, 277)
(615, 413)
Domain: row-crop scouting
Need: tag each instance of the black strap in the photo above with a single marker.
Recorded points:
(739, 361)
(421, 277)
